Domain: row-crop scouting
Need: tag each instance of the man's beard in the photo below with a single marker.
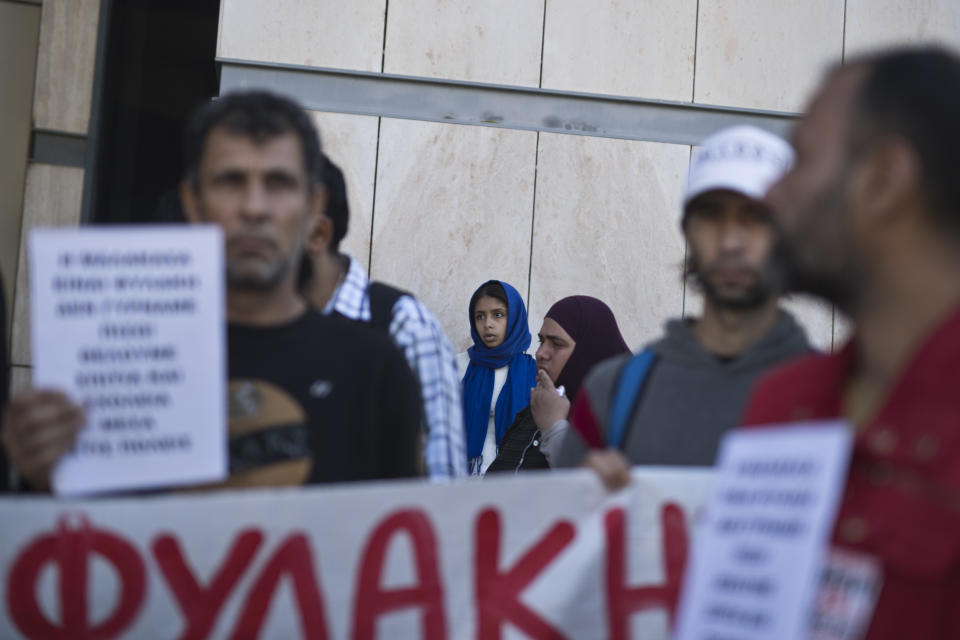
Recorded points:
(767, 283)
(812, 271)
(267, 279)
(838, 285)
(261, 277)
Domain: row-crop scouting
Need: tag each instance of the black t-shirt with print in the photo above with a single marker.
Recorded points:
(319, 399)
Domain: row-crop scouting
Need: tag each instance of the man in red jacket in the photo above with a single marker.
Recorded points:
(870, 216)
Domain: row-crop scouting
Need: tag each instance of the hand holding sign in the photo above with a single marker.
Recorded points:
(39, 428)
(611, 465)
(128, 323)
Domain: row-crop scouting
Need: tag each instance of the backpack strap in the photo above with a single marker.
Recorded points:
(629, 384)
(382, 299)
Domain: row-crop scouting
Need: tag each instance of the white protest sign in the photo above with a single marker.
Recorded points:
(759, 552)
(541, 555)
(129, 322)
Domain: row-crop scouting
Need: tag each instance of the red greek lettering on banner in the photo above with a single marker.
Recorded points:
(294, 558)
(200, 605)
(498, 592)
(69, 549)
(622, 601)
(372, 601)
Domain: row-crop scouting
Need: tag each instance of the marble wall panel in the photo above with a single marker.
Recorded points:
(815, 316)
(607, 224)
(842, 330)
(765, 54)
(65, 65)
(351, 142)
(51, 199)
(453, 209)
(643, 48)
(20, 379)
(19, 34)
(692, 301)
(318, 33)
(498, 41)
(877, 23)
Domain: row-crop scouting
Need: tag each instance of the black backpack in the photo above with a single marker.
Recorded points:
(382, 299)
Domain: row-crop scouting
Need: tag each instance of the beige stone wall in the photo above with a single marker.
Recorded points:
(454, 206)
(19, 32)
(65, 59)
(52, 199)
(61, 99)
(439, 208)
(448, 206)
(606, 224)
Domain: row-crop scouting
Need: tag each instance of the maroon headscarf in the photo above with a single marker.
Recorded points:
(592, 326)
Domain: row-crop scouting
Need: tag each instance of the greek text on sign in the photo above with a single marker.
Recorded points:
(759, 552)
(548, 556)
(129, 322)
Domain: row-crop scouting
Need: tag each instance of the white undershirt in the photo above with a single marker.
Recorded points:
(489, 452)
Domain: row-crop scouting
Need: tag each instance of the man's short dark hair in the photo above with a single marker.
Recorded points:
(337, 208)
(260, 115)
(914, 93)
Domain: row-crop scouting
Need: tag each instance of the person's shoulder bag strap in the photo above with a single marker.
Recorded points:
(629, 384)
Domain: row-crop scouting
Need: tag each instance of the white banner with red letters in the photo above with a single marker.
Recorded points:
(544, 555)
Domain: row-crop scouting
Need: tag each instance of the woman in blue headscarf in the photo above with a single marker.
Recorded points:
(500, 375)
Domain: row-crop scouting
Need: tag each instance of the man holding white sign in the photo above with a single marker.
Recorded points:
(129, 323)
(311, 399)
(871, 219)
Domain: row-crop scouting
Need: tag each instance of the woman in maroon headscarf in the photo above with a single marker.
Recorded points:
(578, 332)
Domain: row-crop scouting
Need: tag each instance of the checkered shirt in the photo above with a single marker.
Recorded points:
(430, 356)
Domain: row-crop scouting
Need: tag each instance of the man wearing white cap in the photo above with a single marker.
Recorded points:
(673, 401)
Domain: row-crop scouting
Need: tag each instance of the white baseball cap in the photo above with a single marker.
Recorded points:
(743, 158)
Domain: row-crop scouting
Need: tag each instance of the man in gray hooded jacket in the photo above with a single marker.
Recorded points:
(674, 408)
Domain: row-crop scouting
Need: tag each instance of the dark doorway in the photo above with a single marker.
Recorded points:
(158, 64)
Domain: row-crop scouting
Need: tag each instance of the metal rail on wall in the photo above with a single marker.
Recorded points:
(492, 105)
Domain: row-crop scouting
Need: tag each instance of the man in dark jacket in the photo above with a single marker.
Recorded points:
(311, 398)
(701, 371)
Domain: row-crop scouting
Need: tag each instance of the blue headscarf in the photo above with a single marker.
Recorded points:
(478, 381)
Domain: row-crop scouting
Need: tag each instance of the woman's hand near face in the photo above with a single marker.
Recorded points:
(546, 405)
